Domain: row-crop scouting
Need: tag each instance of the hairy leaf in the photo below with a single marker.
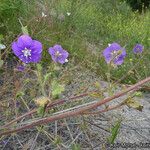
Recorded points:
(42, 101)
(130, 102)
(57, 89)
(75, 147)
(41, 111)
(25, 30)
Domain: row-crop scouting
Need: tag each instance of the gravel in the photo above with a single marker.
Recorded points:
(134, 132)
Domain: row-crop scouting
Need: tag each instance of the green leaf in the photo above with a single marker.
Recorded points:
(138, 94)
(41, 111)
(1, 63)
(46, 77)
(1, 37)
(26, 81)
(130, 102)
(114, 132)
(39, 67)
(97, 85)
(57, 89)
(75, 147)
(18, 94)
(57, 140)
(56, 67)
(25, 30)
(42, 101)
(96, 94)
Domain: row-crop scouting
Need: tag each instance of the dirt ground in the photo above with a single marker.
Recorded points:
(91, 132)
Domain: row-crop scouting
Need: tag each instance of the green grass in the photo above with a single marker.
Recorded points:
(95, 22)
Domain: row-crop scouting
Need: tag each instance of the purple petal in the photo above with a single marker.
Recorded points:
(119, 60)
(115, 46)
(55, 59)
(24, 59)
(17, 50)
(65, 54)
(138, 48)
(21, 68)
(24, 41)
(63, 58)
(36, 58)
(108, 58)
(107, 51)
(123, 54)
(58, 48)
(36, 47)
(51, 51)
(62, 61)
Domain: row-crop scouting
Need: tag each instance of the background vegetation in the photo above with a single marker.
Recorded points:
(88, 29)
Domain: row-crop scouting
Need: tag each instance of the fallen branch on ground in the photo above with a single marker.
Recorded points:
(77, 112)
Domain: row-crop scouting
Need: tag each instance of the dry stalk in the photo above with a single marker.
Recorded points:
(77, 112)
(49, 106)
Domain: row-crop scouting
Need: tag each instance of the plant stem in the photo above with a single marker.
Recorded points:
(40, 80)
(108, 79)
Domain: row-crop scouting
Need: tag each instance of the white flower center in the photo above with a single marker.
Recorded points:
(115, 54)
(138, 49)
(57, 54)
(26, 52)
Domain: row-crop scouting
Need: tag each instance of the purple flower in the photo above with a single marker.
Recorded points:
(5, 142)
(21, 68)
(138, 49)
(114, 54)
(58, 54)
(27, 50)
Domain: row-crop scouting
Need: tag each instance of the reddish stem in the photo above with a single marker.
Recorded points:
(78, 111)
(50, 105)
(104, 110)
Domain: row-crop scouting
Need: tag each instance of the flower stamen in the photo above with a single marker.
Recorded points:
(57, 54)
(26, 52)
